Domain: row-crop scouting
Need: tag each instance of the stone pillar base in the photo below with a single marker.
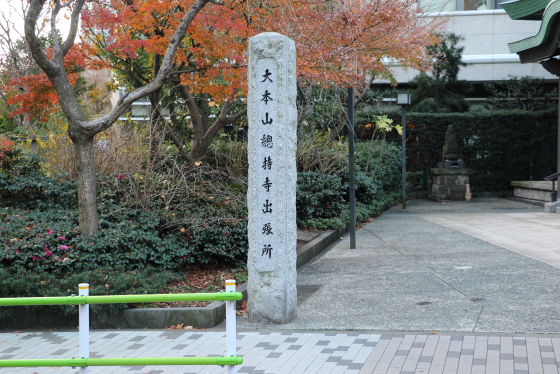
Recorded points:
(448, 184)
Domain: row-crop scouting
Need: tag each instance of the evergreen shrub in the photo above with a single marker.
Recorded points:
(322, 201)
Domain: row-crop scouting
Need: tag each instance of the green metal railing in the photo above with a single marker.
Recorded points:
(83, 362)
(120, 299)
(84, 299)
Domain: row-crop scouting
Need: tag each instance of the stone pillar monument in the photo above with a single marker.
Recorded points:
(450, 179)
(271, 196)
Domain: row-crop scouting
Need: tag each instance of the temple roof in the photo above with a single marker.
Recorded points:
(544, 44)
(525, 9)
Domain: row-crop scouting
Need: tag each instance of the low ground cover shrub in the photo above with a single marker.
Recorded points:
(157, 220)
(39, 229)
(102, 281)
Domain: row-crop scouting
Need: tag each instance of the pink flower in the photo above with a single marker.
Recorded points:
(63, 247)
(226, 233)
(46, 245)
(120, 176)
(50, 232)
(62, 238)
(18, 251)
(48, 253)
(35, 258)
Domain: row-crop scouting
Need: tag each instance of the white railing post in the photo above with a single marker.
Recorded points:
(84, 326)
(231, 335)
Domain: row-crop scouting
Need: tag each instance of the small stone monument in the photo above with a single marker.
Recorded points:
(271, 195)
(450, 178)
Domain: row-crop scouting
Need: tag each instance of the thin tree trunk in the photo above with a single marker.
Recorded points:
(87, 190)
(80, 130)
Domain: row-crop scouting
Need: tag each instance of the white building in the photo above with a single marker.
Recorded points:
(487, 30)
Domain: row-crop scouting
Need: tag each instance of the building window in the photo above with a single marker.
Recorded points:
(435, 6)
(478, 4)
(432, 6)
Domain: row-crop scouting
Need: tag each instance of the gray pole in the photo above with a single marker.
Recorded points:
(403, 157)
(351, 168)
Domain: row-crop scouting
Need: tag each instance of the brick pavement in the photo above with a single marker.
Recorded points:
(299, 352)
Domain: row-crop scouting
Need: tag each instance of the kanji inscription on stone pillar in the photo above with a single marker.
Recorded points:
(271, 194)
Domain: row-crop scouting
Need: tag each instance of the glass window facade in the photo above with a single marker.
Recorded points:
(479, 4)
(431, 6)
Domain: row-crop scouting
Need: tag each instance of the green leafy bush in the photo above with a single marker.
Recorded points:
(103, 281)
(319, 196)
(322, 200)
(38, 237)
(23, 185)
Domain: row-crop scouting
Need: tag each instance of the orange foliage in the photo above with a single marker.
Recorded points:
(5, 147)
(338, 42)
(215, 47)
(35, 95)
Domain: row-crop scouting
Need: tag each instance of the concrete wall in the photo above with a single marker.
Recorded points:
(486, 37)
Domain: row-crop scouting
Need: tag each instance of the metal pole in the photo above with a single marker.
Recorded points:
(119, 299)
(558, 151)
(83, 290)
(231, 325)
(352, 192)
(127, 361)
(403, 157)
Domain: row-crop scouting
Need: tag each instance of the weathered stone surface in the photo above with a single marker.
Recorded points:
(551, 206)
(449, 184)
(271, 194)
(451, 147)
(442, 171)
(532, 194)
(534, 185)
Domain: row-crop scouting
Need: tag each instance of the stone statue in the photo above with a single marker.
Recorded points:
(451, 147)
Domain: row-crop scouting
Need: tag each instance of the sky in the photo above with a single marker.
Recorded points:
(11, 20)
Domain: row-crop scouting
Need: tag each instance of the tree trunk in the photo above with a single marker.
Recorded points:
(199, 150)
(87, 190)
(81, 130)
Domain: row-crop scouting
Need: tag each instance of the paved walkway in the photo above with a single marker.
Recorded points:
(436, 288)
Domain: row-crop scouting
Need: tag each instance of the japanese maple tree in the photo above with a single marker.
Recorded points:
(81, 130)
(156, 42)
(338, 44)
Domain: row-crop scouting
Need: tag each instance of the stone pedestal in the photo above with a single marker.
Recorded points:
(448, 184)
(533, 190)
(271, 194)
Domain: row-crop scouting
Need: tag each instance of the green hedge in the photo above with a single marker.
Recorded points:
(500, 146)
